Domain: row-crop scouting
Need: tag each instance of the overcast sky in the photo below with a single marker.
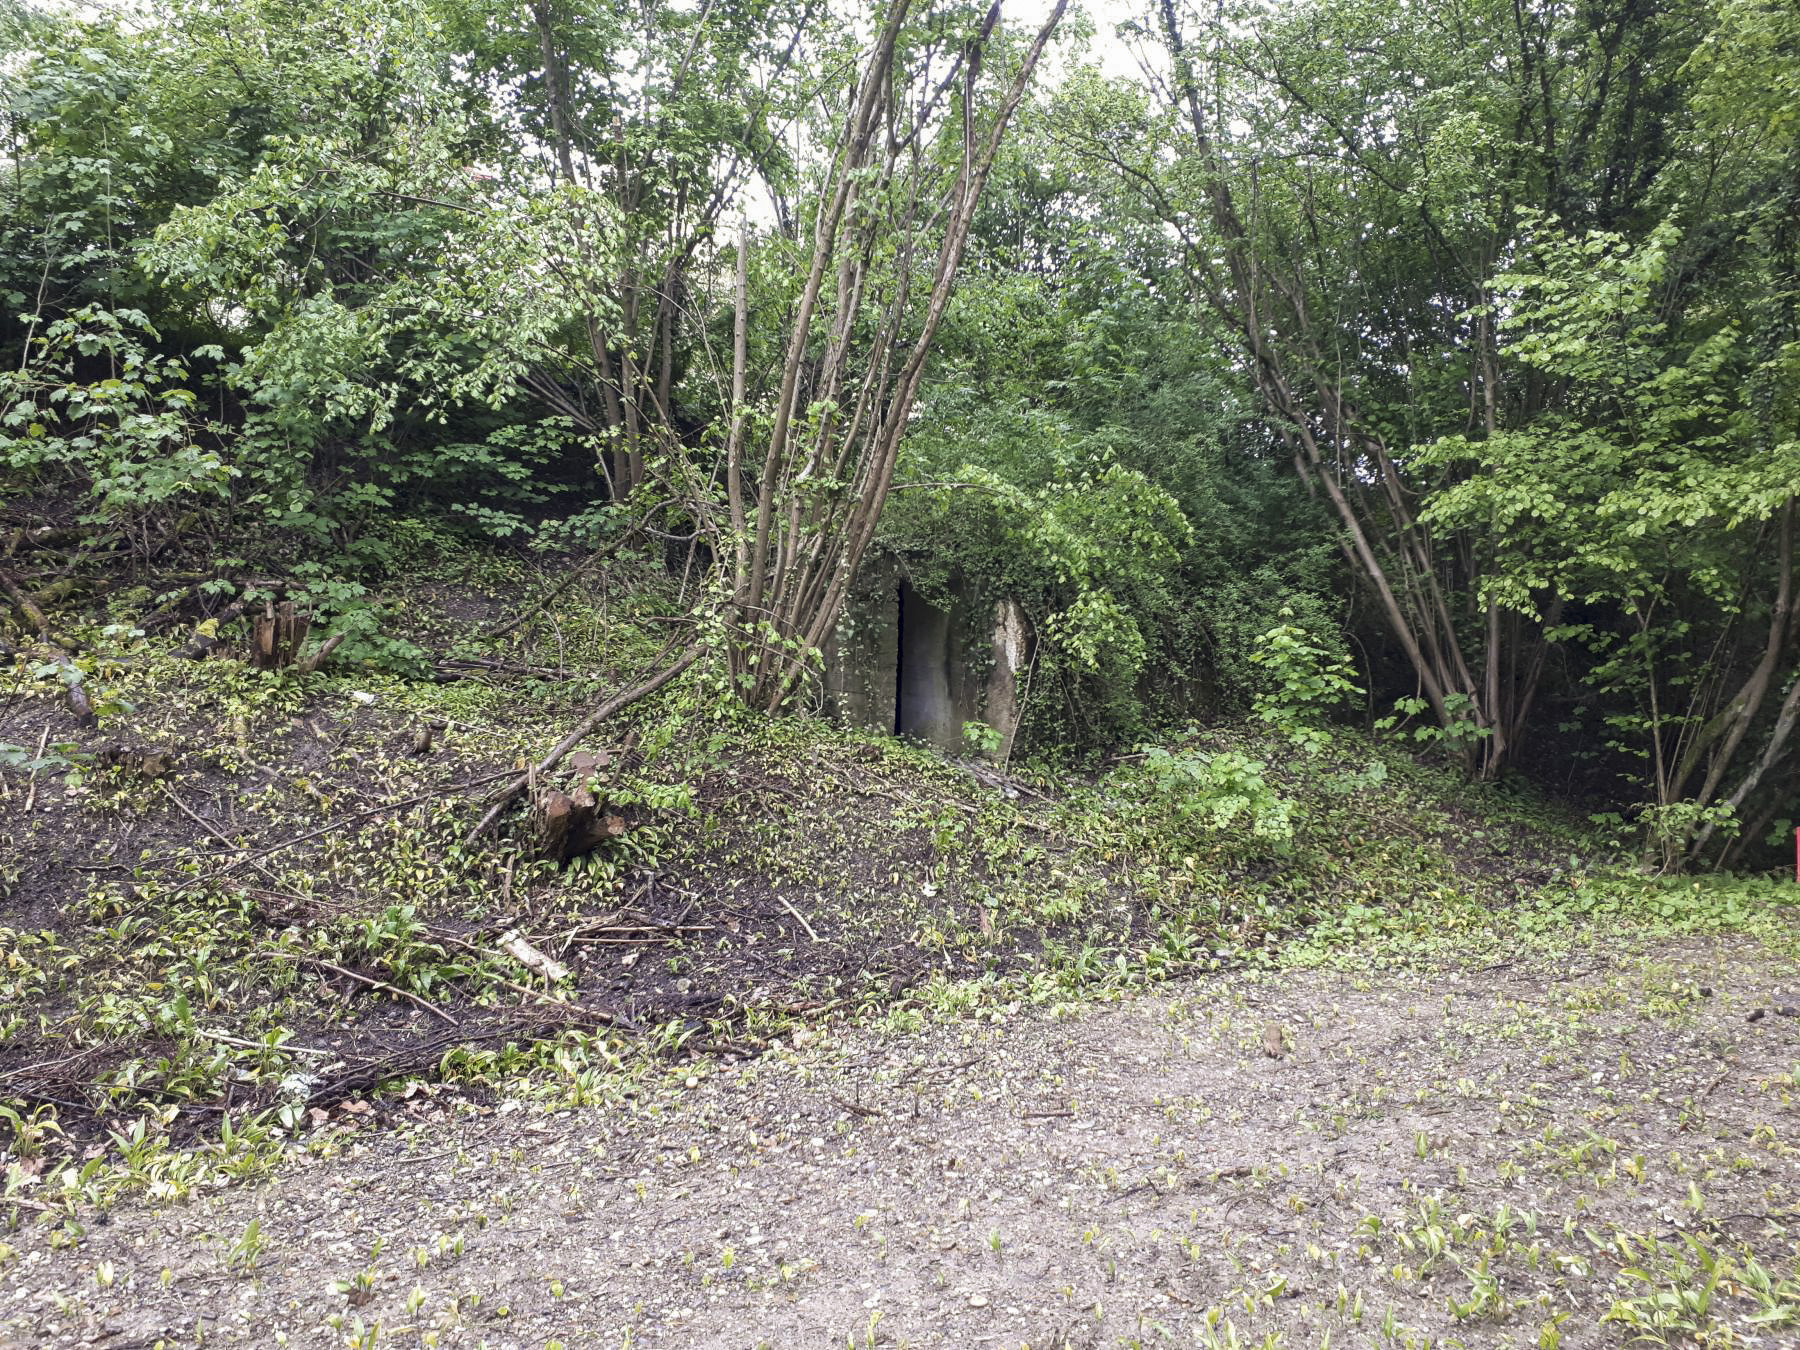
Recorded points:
(1114, 56)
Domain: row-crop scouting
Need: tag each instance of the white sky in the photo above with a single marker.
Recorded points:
(1114, 56)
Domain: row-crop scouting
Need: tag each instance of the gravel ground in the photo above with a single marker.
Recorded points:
(1466, 1157)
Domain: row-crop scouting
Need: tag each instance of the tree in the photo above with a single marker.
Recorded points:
(1351, 179)
(1085, 449)
(663, 116)
(895, 209)
(1655, 492)
(913, 145)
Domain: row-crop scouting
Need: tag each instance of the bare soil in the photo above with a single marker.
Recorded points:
(304, 827)
(1468, 1157)
(816, 870)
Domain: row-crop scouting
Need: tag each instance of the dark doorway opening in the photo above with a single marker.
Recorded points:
(922, 704)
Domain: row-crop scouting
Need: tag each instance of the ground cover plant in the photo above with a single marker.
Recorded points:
(271, 846)
(177, 1024)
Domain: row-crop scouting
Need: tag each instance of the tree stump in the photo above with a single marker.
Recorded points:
(276, 635)
(572, 821)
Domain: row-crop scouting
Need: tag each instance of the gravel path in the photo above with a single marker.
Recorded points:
(1464, 1158)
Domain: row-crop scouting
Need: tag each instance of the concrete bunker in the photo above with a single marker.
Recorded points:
(924, 666)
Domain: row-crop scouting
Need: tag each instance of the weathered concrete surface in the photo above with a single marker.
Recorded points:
(918, 666)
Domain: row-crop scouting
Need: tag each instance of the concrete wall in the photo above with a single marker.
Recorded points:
(862, 655)
(902, 663)
(1007, 687)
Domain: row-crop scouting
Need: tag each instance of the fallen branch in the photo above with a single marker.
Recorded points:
(197, 818)
(26, 606)
(400, 1064)
(798, 915)
(370, 981)
(422, 1058)
(36, 763)
(574, 574)
(341, 822)
(56, 648)
(453, 667)
(532, 959)
(641, 690)
(1003, 783)
(583, 1011)
(285, 1047)
(307, 665)
(204, 641)
(43, 537)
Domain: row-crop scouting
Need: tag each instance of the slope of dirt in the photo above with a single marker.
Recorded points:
(250, 892)
(1475, 1156)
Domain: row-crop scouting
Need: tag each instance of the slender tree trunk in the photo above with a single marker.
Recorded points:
(803, 557)
(796, 554)
(1271, 313)
(1725, 733)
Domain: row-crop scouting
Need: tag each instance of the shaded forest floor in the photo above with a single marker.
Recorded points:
(854, 1041)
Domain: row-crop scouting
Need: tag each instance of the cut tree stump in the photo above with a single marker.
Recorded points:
(276, 635)
(573, 821)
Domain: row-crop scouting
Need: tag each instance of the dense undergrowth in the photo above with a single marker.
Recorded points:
(244, 907)
(1496, 432)
(1502, 416)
